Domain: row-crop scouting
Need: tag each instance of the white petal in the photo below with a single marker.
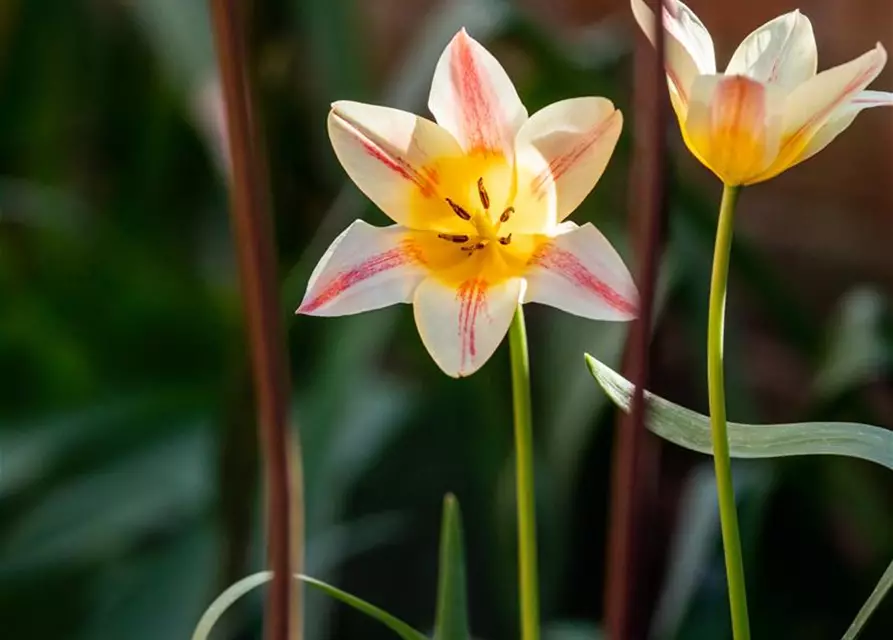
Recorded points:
(564, 148)
(365, 268)
(812, 103)
(390, 155)
(841, 118)
(579, 271)
(782, 52)
(461, 327)
(473, 98)
(867, 99)
(689, 47)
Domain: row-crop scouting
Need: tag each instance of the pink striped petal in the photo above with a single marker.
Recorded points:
(867, 99)
(579, 271)
(365, 268)
(811, 104)
(689, 47)
(391, 156)
(462, 326)
(843, 117)
(782, 52)
(473, 98)
(734, 126)
(562, 152)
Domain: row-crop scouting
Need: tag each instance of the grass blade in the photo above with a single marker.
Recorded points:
(883, 586)
(394, 624)
(226, 599)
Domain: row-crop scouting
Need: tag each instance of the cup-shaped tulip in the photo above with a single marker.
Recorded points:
(770, 110)
(479, 199)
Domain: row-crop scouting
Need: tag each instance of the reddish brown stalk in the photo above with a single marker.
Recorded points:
(635, 468)
(257, 274)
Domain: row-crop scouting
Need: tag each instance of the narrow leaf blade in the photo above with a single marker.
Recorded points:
(881, 590)
(691, 430)
(394, 624)
(226, 599)
(452, 600)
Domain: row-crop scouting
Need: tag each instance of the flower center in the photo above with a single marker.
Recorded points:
(485, 231)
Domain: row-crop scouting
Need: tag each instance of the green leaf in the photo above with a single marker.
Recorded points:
(93, 517)
(226, 599)
(572, 630)
(693, 544)
(452, 601)
(856, 352)
(173, 578)
(691, 430)
(394, 624)
(883, 586)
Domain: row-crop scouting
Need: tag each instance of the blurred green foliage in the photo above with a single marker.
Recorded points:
(128, 464)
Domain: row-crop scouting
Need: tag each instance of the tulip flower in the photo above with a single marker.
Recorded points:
(770, 110)
(479, 200)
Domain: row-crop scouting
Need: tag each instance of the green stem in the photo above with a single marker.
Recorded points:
(716, 389)
(527, 567)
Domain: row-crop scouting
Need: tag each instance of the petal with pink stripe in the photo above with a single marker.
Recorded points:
(391, 155)
(841, 118)
(579, 272)
(782, 52)
(462, 326)
(562, 152)
(365, 268)
(473, 98)
(689, 47)
(734, 126)
(812, 104)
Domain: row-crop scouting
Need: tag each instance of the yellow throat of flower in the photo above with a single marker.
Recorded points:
(476, 241)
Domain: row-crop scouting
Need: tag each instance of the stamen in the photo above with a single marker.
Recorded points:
(482, 192)
(475, 247)
(505, 240)
(453, 238)
(462, 213)
(506, 214)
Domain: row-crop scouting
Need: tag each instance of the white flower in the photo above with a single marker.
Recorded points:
(770, 110)
(478, 199)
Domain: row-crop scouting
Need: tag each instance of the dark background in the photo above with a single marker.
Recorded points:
(128, 462)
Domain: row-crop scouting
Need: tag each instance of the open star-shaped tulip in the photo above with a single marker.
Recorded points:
(479, 199)
(770, 109)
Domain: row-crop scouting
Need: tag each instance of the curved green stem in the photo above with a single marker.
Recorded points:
(527, 563)
(728, 515)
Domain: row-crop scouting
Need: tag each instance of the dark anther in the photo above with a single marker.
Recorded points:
(506, 239)
(462, 213)
(482, 192)
(506, 214)
(453, 238)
